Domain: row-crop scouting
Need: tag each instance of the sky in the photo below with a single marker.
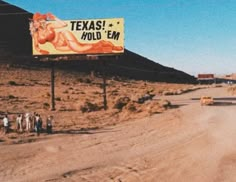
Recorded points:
(194, 36)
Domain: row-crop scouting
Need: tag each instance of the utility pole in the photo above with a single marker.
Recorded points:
(104, 85)
(52, 87)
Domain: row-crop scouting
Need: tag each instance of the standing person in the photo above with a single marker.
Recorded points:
(27, 121)
(6, 124)
(19, 123)
(49, 124)
(38, 124)
(34, 120)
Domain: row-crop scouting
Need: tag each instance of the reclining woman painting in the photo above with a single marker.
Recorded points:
(44, 31)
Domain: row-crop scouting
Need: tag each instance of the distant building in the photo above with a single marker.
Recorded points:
(206, 78)
(229, 79)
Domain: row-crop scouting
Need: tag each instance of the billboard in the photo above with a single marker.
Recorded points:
(52, 36)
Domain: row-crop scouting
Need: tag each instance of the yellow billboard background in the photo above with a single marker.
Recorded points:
(101, 36)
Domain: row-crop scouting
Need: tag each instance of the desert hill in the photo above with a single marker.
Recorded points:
(15, 49)
(14, 30)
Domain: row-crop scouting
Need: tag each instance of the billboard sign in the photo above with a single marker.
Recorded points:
(52, 36)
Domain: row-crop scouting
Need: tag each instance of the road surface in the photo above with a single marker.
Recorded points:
(188, 143)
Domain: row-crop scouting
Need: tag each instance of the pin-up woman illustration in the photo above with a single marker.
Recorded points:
(43, 32)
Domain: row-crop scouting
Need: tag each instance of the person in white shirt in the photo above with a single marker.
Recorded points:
(27, 121)
(6, 124)
(19, 120)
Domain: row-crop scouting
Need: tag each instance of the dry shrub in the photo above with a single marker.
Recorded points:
(13, 83)
(58, 98)
(80, 80)
(114, 92)
(165, 104)
(86, 80)
(186, 90)
(232, 90)
(157, 106)
(11, 97)
(121, 102)
(96, 93)
(169, 92)
(63, 108)
(90, 107)
(46, 105)
(145, 97)
(179, 91)
(131, 106)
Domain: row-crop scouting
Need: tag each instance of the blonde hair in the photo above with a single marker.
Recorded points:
(33, 29)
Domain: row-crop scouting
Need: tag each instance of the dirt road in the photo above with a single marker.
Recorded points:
(189, 143)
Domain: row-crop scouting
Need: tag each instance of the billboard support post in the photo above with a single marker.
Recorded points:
(52, 87)
(104, 86)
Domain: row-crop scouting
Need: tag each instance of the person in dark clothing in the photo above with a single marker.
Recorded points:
(49, 124)
(38, 124)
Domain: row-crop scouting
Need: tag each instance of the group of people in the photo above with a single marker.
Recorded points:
(29, 122)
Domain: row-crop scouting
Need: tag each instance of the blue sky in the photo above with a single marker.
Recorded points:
(195, 36)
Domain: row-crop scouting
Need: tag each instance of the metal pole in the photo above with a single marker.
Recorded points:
(52, 87)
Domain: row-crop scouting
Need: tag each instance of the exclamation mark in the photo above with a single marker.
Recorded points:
(103, 24)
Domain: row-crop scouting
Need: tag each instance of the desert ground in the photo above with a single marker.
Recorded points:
(168, 137)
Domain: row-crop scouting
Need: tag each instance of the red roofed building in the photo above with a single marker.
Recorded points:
(206, 78)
